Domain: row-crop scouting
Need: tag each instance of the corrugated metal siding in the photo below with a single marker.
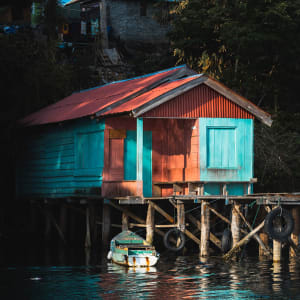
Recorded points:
(50, 165)
(200, 102)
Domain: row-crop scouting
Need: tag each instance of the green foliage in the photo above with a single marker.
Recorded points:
(277, 154)
(252, 46)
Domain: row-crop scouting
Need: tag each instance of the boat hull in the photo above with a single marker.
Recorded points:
(135, 260)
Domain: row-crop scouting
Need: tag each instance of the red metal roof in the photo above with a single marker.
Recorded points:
(91, 101)
(150, 96)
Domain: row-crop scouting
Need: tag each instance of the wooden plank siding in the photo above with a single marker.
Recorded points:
(62, 160)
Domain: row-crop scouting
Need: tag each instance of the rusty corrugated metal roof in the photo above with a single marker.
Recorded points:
(139, 96)
(89, 102)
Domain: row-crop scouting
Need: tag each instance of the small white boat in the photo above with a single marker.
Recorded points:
(129, 249)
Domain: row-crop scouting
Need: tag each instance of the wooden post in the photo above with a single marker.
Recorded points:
(105, 225)
(103, 24)
(47, 223)
(150, 224)
(88, 229)
(73, 225)
(265, 238)
(205, 229)
(63, 219)
(180, 216)
(295, 233)
(276, 251)
(125, 221)
(235, 224)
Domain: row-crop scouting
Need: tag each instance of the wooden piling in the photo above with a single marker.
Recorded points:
(88, 242)
(105, 225)
(63, 219)
(180, 216)
(235, 224)
(296, 231)
(150, 224)
(276, 251)
(205, 229)
(125, 221)
(47, 223)
(262, 252)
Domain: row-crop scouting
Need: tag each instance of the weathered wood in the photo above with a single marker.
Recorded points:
(235, 224)
(276, 251)
(264, 247)
(156, 226)
(205, 229)
(171, 220)
(125, 221)
(88, 242)
(134, 217)
(197, 223)
(265, 238)
(180, 216)
(150, 224)
(296, 231)
(243, 241)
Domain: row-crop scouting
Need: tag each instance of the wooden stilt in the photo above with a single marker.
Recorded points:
(180, 216)
(88, 242)
(235, 224)
(276, 251)
(265, 238)
(205, 229)
(125, 221)
(47, 223)
(105, 225)
(243, 241)
(93, 223)
(63, 219)
(295, 233)
(72, 228)
(150, 224)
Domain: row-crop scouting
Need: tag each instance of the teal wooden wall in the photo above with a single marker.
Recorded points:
(62, 160)
(226, 153)
(130, 157)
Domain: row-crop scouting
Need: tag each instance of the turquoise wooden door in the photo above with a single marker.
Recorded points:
(226, 149)
(130, 159)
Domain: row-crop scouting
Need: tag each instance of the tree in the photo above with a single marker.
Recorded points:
(252, 45)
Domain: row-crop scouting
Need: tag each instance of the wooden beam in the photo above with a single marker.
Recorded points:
(171, 220)
(134, 217)
(243, 241)
(125, 221)
(265, 248)
(197, 223)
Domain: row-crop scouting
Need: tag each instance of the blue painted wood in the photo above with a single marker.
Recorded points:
(130, 155)
(63, 160)
(212, 189)
(139, 149)
(130, 150)
(147, 164)
(235, 189)
(226, 149)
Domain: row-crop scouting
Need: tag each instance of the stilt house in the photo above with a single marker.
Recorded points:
(170, 132)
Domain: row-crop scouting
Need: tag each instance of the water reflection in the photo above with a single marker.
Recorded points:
(174, 277)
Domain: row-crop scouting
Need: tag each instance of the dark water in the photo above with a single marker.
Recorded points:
(175, 277)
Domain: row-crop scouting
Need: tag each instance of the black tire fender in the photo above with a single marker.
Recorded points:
(180, 235)
(226, 240)
(287, 229)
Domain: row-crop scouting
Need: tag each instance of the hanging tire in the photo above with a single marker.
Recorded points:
(174, 233)
(282, 232)
(226, 240)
